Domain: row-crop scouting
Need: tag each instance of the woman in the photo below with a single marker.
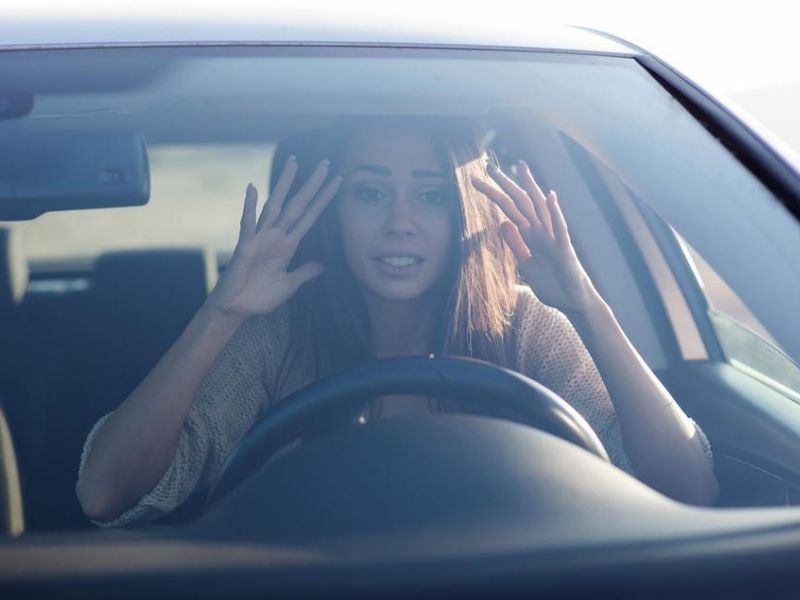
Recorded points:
(419, 253)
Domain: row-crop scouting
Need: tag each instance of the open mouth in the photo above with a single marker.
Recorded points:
(399, 261)
(399, 265)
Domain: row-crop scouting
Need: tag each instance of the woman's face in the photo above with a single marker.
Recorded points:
(397, 213)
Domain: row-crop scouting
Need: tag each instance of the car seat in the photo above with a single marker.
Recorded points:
(13, 282)
(139, 303)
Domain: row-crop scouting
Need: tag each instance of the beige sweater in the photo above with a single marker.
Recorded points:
(232, 396)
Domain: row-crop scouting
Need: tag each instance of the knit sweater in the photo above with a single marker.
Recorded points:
(232, 396)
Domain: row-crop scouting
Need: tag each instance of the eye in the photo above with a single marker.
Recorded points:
(434, 197)
(369, 194)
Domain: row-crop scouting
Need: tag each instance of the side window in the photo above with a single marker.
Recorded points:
(709, 320)
(721, 298)
(743, 339)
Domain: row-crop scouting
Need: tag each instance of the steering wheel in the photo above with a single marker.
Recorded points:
(482, 385)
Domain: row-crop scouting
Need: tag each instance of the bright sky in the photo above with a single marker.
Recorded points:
(728, 46)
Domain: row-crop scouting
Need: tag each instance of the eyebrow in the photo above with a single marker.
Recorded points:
(387, 172)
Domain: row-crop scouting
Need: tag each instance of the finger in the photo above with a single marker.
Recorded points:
(514, 240)
(298, 204)
(560, 230)
(518, 195)
(502, 200)
(304, 273)
(247, 225)
(536, 195)
(274, 204)
(322, 200)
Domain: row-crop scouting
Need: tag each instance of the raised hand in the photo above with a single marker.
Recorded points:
(537, 234)
(256, 281)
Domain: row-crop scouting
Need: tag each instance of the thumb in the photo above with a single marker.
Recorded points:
(304, 273)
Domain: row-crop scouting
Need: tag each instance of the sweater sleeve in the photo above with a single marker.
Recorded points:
(228, 402)
(549, 350)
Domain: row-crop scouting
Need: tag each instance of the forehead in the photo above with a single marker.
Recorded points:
(400, 148)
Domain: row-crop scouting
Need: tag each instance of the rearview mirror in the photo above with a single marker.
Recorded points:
(69, 170)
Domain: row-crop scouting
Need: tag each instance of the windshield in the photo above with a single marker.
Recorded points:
(692, 254)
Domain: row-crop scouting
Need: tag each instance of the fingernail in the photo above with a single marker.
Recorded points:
(325, 162)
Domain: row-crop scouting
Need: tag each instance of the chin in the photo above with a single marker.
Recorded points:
(398, 296)
(398, 293)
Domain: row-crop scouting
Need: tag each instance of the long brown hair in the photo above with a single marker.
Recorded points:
(329, 329)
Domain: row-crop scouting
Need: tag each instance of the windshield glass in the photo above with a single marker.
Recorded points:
(220, 113)
(693, 255)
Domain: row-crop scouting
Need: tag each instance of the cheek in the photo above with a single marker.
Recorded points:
(354, 234)
(441, 234)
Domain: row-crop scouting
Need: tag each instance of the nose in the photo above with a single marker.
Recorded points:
(400, 219)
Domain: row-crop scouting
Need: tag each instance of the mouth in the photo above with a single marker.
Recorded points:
(399, 264)
(399, 260)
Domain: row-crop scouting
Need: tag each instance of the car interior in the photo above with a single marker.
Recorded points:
(690, 247)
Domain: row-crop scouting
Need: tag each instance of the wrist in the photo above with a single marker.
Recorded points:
(220, 319)
(594, 313)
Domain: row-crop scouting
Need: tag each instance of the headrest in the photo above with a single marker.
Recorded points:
(13, 269)
(161, 277)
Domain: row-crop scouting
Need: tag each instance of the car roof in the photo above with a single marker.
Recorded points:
(268, 27)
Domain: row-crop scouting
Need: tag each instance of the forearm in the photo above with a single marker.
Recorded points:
(136, 444)
(660, 440)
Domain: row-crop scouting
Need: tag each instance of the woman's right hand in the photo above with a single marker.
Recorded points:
(256, 280)
(140, 439)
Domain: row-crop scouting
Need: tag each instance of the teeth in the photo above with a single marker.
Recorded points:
(400, 261)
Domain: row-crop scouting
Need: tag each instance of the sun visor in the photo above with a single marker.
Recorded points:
(70, 170)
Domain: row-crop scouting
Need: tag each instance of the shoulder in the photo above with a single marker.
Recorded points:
(263, 330)
(234, 384)
(543, 336)
(525, 299)
(258, 342)
(531, 314)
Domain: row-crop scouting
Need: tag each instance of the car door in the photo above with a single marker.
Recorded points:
(719, 357)
(686, 222)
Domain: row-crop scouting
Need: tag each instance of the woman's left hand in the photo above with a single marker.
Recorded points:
(537, 234)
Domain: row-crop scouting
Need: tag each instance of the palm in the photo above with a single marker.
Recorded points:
(257, 279)
(537, 234)
(555, 275)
